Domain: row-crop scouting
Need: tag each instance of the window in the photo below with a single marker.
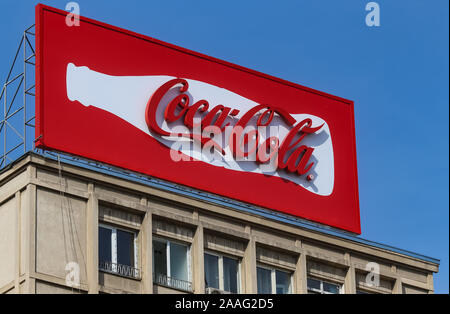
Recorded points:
(212, 271)
(316, 286)
(222, 272)
(117, 251)
(231, 280)
(271, 281)
(283, 282)
(264, 280)
(171, 264)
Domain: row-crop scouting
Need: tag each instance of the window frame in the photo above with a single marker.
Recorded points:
(273, 278)
(321, 290)
(221, 274)
(167, 241)
(114, 229)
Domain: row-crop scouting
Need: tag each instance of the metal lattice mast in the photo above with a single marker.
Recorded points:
(17, 116)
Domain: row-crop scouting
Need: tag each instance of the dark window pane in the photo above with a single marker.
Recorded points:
(313, 284)
(211, 271)
(178, 261)
(264, 281)
(104, 245)
(329, 287)
(230, 274)
(283, 282)
(125, 248)
(159, 258)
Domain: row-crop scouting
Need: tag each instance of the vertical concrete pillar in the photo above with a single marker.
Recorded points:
(147, 251)
(25, 233)
(430, 283)
(17, 243)
(198, 262)
(30, 262)
(350, 277)
(398, 287)
(249, 265)
(92, 241)
(300, 274)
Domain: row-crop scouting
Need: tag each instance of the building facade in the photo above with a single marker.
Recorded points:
(65, 228)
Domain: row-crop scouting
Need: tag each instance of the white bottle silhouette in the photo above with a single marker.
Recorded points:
(123, 96)
(127, 97)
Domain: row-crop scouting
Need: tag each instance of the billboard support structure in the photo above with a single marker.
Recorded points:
(17, 99)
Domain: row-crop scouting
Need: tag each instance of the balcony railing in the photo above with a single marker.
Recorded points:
(119, 269)
(163, 280)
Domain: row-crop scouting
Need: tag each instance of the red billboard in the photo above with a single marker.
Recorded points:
(131, 101)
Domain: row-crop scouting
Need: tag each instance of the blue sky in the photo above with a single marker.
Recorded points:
(397, 74)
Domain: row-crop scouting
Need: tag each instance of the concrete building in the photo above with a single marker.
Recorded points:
(131, 236)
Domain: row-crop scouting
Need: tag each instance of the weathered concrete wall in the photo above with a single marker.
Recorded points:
(60, 233)
(43, 287)
(48, 220)
(8, 233)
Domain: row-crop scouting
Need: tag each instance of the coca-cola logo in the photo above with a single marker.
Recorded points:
(244, 139)
(203, 122)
